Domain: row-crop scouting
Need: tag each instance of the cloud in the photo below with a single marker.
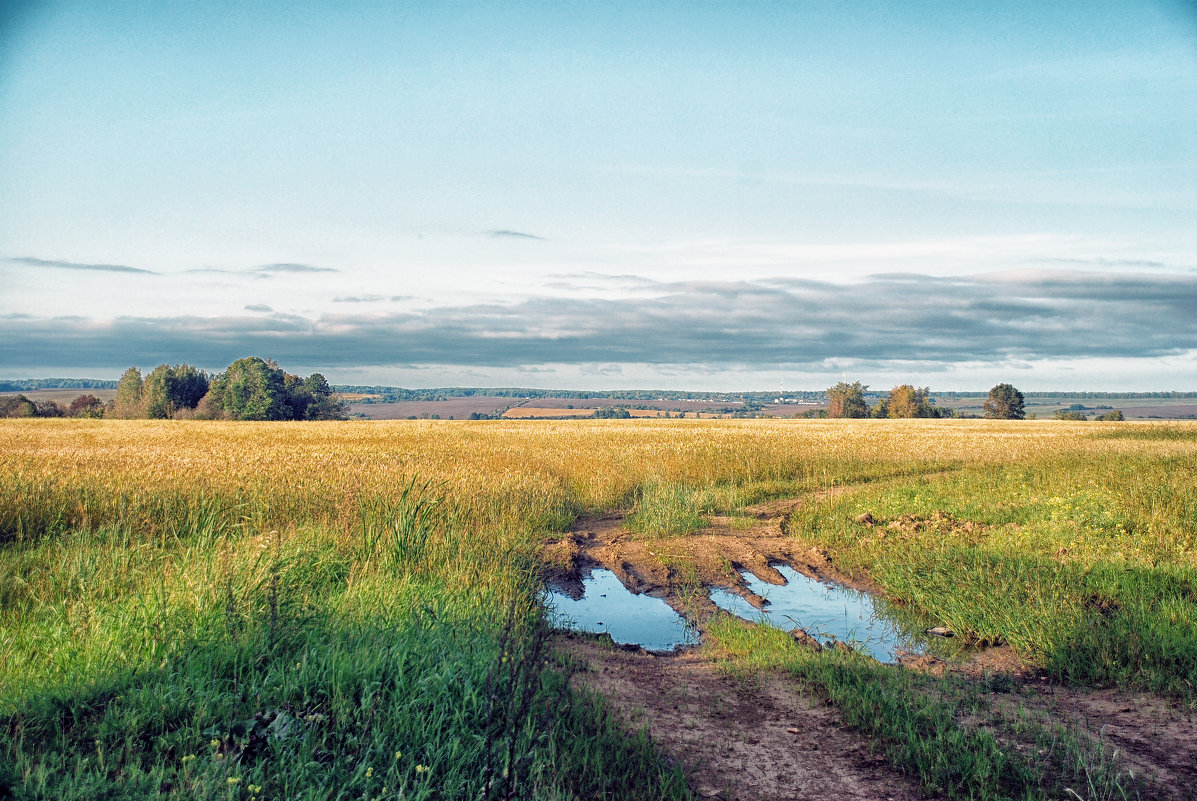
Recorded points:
(994, 318)
(291, 268)
(505, 234)
(265, 270)
(1116, 263)
(71, 265)
(258, 307)
(371, 298)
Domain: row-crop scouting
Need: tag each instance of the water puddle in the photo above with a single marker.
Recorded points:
(825, 611)
(606, 606)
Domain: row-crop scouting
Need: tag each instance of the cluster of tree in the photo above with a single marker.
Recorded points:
(168, 391)
(1113, 416)
(21, 406)
(255, 389)
(29, 384)
(905, 400)
(612, 413)
(849, 400)
(635, 397)
(250, 389)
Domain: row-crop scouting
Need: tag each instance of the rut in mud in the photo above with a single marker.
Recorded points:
(739, 739)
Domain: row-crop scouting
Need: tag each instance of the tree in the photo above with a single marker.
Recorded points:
(128, 394)
(86, 406)
(313, 399)
(1114, 416)
(186, 386)
(847, 400)
(250, 389)
(168, 389)
(17, 406)
(1004, 403)
(909, 401)
(49, 408)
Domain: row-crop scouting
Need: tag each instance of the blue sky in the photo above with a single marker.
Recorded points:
(601, 195)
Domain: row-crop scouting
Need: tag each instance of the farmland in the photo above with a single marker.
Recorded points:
(347, 610)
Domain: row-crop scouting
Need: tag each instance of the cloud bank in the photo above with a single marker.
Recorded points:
(886, 319)
(58, 264)
(507, 234)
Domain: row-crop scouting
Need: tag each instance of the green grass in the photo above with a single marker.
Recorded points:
(666, 509)
(287, 608)
(944, 731)
(208, 661)
(1086, 568)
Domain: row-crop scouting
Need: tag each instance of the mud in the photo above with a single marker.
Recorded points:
(669, 566)
(1155, 738)
(738, 739)
(761, 738)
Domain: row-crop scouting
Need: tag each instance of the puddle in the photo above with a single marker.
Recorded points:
(606, 606)
(825, 611)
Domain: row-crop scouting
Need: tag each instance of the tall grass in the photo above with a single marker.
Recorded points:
(665, 510)
(219, 610)
(943, 731)
(1086, 566)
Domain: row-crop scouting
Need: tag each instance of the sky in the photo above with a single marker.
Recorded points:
(600, 195)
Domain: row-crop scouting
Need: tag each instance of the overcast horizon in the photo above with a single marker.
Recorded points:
(676, 196)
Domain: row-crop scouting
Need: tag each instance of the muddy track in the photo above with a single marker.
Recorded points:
(761, 739)
(743, 739)
(740, 739)
(671, 567)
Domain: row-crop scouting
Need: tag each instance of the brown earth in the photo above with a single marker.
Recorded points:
(1172, 411)
(556, 412)
(457, 408)
(62, 396)
(761, 737)
(751, 738)
(712, 556)
(628, 403)
(1154, 737)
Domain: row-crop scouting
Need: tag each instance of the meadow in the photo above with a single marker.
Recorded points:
(349, 610)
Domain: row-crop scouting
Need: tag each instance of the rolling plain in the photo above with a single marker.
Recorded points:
(257, 611)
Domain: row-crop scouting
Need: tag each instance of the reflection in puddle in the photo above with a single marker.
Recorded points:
(824, 611)
(608, 606)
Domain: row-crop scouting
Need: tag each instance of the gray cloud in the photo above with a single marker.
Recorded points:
(370, 298)
(258, 307)
(265, 270)
(888, 319)
(1098, 262)
(505, 234)
(291, 268)
(71, 265)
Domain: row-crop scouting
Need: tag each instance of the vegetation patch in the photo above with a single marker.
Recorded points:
(217, 609)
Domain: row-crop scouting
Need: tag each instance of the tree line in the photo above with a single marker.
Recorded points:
(249, 389)
(1004, 402)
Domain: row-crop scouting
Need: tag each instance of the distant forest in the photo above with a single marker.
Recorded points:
(389, 394)
(31, 384)
(398, 394)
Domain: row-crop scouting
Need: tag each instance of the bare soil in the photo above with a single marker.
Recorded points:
(755, 738)
(1154, 737)
(457, 408)
(63, 396)
(762, 738)
(628, 403)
